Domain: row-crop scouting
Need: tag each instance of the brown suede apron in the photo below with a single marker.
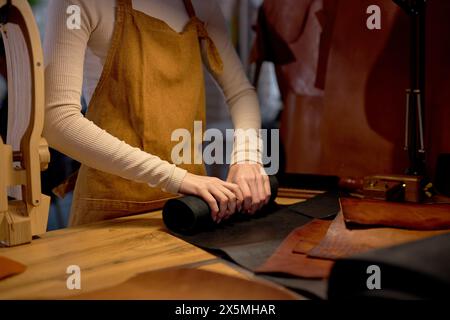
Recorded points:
(152, 83)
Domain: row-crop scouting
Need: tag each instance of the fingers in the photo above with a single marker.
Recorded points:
(223, 198)
(222, 201)
(231, 203)
(246, 194)
(234, 188)
(249, 194)
(212, 203)
(226, 195)
(255, 194)
(254, 185)
(261, 191)
(257, 190)
(267, 188)
(240, 199)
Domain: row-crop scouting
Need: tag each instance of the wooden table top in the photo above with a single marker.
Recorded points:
(108, 253)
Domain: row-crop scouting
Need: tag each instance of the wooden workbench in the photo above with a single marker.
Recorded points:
(108, 253)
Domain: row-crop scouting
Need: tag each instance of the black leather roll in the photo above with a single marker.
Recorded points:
(191, 214)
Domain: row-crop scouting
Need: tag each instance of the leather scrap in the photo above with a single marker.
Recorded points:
(9, 268)
(311, 235)
(341, 242)
(399, 215)
(286, 260)
(189, 284)
(322, 206)
(67, 186)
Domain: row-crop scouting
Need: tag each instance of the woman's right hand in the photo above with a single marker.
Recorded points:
(223, 198)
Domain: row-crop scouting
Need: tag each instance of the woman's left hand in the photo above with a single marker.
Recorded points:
(254, 184)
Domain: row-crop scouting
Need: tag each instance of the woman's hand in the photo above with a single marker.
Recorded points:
(223, 198)
(254, 184)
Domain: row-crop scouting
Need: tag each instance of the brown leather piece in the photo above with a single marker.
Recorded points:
(9, 268)
(400, 215)
(326, 19)
(280, 11)
(294, 46)
(358, 127)
(310, 235)
(341, 242)
(290, 258)
(273, 35)
(67, 186)
(189, 284)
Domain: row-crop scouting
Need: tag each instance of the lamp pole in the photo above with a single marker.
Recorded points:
(415, 94)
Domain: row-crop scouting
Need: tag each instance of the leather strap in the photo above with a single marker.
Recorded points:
(125, 3)
(189, 8)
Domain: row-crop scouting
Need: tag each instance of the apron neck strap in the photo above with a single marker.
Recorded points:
(189, 8)
(127, 4)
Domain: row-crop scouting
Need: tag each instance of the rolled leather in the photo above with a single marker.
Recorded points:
(191, 214)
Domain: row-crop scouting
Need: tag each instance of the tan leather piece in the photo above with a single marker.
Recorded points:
(9, 268)
(341, 242)
(400, 215)
(310, 235)
(189, 284)
(286, 258)
(300, 75)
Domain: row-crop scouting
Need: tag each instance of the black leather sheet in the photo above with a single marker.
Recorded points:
(309, 288)
(249, 240)
(322, 206)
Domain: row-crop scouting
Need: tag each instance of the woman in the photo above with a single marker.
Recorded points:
(141, 61)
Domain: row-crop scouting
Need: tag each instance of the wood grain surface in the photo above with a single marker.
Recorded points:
(108, 253)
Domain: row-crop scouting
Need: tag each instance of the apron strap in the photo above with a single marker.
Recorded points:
(213, 60)
(127, 4)
(189, 8)
(211, 56)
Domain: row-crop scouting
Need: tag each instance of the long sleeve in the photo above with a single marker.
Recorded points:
(66, 129)
(240, 95)
(69, 132)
